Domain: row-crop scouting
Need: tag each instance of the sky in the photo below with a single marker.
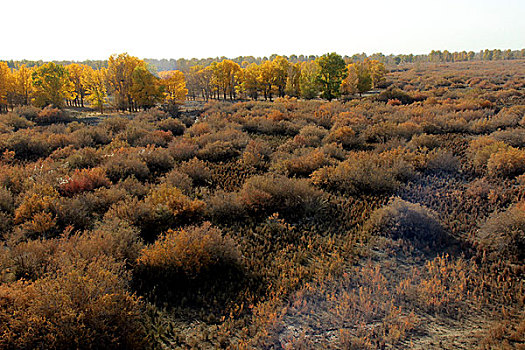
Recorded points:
(95, 29)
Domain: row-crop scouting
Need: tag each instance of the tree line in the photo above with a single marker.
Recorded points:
(129, 83)
(126, 84)
(184, 64)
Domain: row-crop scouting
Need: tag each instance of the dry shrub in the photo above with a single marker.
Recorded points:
(82, 306)
(180, 180)
(257, 154)
(84, 180)
(87, 157)
(274, 193)
(50, 115)
(404, 220)
(424, 141)
(157, 138)
(310, 136)
(15, 121)
(27, 145)
(165, 198)
(440, 160)
(121, 165)
(183, 149)
(197, 265)
(199, 129)
(508, 163)
(218, 151)
(513, 137)
(172, 125)
(502, 236)
(481, 149)
(302, 164)
(224, 206)
(343, 135)
(365, 172)
(158, 160)
(197, 170)
(37, 211)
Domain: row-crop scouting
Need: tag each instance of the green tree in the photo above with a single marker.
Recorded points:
(332, 71)
(145, 90)
(52, 85)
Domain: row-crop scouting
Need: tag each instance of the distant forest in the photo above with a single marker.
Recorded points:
(184, 64)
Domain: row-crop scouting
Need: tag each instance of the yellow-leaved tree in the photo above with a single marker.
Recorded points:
(5, 85)
(146, 90)
(95, 85)
(51, 85)
(22, 85)
(76, 72)
(120, 81)
(174, 84)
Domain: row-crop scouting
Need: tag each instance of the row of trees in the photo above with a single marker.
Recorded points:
(329, 76)
(126, 84)
(129, 84)
(184, 64)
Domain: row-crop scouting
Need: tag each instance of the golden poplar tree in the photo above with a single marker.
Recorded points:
(95, 86)
(51, 85)
(174, 84)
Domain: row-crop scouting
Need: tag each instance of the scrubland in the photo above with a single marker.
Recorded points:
(394, 220)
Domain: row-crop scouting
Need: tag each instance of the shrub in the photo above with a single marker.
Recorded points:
(256, 154)
(157, 138)
(393, 93)
(84, 307)
(84, 180)
(172, 125)
(365, 172)
(50, 115)
(344, 135)
(182, 149)
(15, 121)
(512, 137)
(481, 149)
(163, 197)
(84, 158)
(217, 151)
(122, 165)
(404, 220)
(197, 265)
(440, 160)
(310, 136)
(197, 170)
(269, 194)
(506, 163)
(303, 164)
(158, 160)
(502, 236)
(180, 180)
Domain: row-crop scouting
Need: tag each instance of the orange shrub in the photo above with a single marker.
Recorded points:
(197, 265)
(506, 163)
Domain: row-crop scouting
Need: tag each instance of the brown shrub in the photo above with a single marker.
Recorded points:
(197, 265)
(506, 163)
(405, 220)
(365, 172)
(50, 115)
(119, 166)
(269, 194)
(182, 149)
(82, 306)
(502, 236)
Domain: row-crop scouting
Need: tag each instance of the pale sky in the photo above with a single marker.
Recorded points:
(95, 29)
